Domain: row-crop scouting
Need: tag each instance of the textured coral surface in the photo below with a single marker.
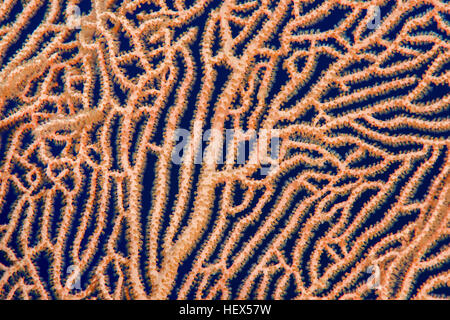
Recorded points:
(92, 93)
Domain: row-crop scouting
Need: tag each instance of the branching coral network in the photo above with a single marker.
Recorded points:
(92, 94)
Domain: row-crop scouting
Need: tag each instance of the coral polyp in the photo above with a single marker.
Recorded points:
(350, 98)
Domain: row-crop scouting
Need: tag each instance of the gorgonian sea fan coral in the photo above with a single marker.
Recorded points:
(92, 94)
